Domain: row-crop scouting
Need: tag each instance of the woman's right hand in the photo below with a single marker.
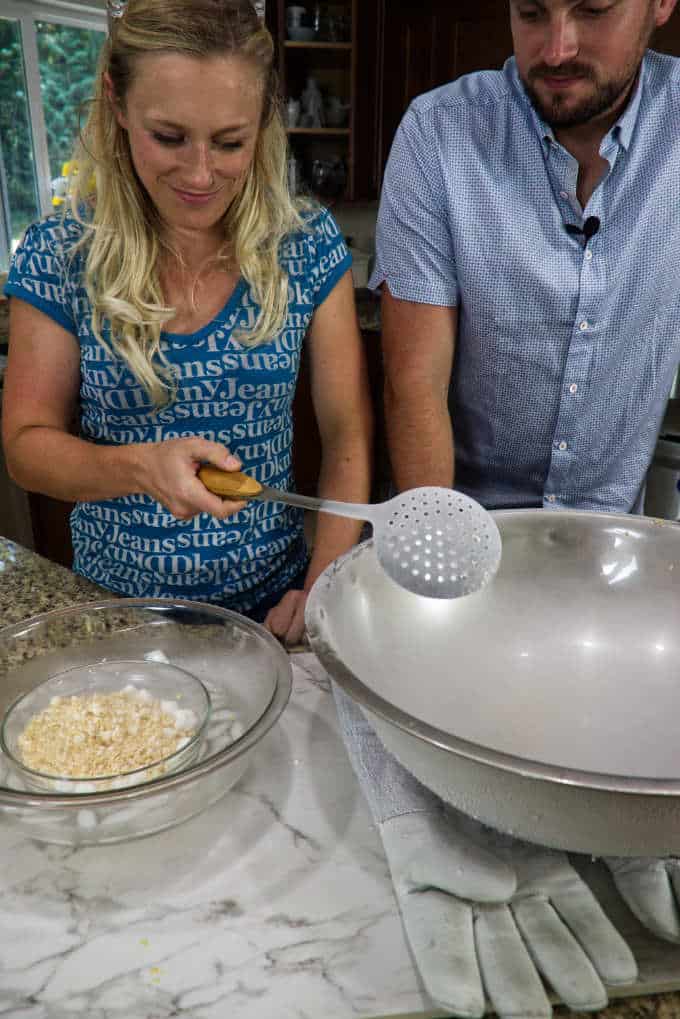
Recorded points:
(166, 471)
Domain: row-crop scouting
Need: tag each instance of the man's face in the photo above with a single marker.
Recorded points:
(578, 58)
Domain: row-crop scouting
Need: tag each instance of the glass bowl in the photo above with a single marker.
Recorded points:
(245, 671)
(181, 697)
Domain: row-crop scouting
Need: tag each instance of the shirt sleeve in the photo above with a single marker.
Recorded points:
(414, 247)
(330, 258)
(38, 274)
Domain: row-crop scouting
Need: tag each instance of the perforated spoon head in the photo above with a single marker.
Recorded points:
(436, 542)
(431, 541)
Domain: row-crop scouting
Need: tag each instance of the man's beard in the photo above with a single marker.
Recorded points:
(604, 97)
(559, 113)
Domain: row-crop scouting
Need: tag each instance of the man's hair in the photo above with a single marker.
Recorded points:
(123, 241)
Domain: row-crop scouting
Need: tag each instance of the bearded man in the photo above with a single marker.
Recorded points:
(528, 253)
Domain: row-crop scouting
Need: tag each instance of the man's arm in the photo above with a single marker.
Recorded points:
(418, 344)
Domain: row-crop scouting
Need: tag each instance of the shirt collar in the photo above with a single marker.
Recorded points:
(621, 131)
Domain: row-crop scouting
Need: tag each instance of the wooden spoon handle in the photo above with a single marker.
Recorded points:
(229, 484)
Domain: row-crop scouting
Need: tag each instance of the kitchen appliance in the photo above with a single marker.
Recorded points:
(545, 705)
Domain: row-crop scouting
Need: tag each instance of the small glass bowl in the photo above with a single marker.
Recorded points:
(162, 681)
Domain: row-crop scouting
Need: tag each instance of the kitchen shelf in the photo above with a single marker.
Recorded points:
(333, 66)
(290, 45)
(320, 130)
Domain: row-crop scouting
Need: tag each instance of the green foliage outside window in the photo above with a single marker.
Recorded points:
(68, 60)
(67, 63)
(16, 150)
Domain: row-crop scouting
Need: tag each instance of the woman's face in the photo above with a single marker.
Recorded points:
(192, 125)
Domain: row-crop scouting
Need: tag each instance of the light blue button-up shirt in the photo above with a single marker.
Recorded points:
(566, 349)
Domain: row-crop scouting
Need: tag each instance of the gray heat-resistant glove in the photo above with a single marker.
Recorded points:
(483, 912)
(651, 888)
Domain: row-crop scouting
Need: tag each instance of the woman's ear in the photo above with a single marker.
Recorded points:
(110, 94)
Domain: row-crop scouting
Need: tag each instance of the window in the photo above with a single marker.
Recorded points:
(48, 58)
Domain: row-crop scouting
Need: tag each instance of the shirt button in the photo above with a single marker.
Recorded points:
(551, 498)
(563, 194)
(583, 325)
(573, 388)
(562, 446)
(589, 254)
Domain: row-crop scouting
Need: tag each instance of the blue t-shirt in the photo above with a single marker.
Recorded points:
(227, 392)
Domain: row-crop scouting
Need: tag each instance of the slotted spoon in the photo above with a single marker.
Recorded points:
(432, 541)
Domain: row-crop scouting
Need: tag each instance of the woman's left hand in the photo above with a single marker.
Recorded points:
(287, 619)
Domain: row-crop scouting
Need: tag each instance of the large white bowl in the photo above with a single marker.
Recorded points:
(547, 704)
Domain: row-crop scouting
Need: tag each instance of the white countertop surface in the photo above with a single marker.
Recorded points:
(274, 904)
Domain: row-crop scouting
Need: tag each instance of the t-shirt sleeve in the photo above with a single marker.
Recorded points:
(414, 247)
(38, 274)
(329, 255)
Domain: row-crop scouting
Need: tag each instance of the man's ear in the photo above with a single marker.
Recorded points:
(664, 9)
(110, 94)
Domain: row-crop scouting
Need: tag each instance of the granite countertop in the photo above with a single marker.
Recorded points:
(273, 904)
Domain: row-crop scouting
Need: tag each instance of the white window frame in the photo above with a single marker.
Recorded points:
(26, 13)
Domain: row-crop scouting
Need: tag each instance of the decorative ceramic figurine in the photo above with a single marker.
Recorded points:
(312, 105)
(336, 111)
(294, 174)
(294, 16)
(292, 112)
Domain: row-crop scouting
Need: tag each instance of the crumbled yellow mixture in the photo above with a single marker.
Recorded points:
(97, 735)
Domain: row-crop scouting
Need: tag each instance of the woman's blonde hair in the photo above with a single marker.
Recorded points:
(123, 240)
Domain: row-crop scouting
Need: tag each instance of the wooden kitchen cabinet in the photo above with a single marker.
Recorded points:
(667, 39)
(426, 43)
(407, 47)
(330, 58)
(51, 528)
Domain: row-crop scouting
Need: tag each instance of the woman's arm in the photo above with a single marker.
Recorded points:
(39, 401)
(342, 405)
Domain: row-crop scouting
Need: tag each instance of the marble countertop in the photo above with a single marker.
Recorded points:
(275, 903)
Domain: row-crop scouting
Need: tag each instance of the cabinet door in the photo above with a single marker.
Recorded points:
(406, 47)
(667, 39)
(51, 528)
(426, 43)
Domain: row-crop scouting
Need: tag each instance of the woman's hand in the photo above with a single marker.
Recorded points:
(167, 472)
(287, 619)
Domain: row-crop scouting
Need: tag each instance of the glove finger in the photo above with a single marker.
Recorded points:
(439, 929)
(558, 955)
(648, 892)
(594, 931)
(509, 976)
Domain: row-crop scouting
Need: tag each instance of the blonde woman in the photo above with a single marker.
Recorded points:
(167, 310)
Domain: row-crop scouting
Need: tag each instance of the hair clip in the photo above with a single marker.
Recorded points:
(116, 8)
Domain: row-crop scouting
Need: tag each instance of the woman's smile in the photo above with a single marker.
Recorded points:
(195, 197)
